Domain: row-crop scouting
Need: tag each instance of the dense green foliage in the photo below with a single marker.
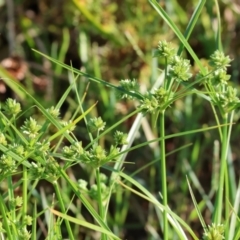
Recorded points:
(118, 120)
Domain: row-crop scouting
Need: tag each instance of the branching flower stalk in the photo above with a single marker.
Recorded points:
(225, 98)
(156, 102)
(97, 125)
(164, 50)
(176, 70)
(163, 171)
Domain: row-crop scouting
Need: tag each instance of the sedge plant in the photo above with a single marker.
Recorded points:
(175, 86)
(31, 152)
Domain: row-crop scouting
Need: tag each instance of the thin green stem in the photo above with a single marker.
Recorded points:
(100, 202)
(165, 83)
(217, 120)
(224, 148)
(34, 223)
(227, 195)
(11, 199)
(218, 34)
(25, 189)
(163, 174)
(5, 219)
(62, 207)
(117, 214)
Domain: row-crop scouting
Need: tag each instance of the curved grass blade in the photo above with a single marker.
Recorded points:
(94, 79)
(192, 23)
(196, 206)
(83, 223)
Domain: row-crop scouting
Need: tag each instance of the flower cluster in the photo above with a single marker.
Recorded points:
(219, 60)
(48, 170)
(3, 139)
(54, 112)
(92, 191)
(165, 50)
(96, 124)
(221, 93)
(69, 124)
(227, 100)
(120, 138)
(12, 107)
(129, 89)
(7, 165)
(97, 155)
(214, 232)
(220, 77)
(180, 69)
(159, 100)
(31, 128)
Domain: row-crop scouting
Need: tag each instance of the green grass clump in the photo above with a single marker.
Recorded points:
(67, 173)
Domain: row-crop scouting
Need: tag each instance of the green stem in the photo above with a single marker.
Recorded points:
(34, 223)
(25, 188)
(11, 199)
(62, 207)
(5, 219)
(165, 82)
(227, 195)
(163, 174)
(100, 202)
(224, 148)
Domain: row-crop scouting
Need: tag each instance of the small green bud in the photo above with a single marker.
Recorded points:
(51, 172)
(113, 152)
(31, 128)
(54, 112)
(3, 139)
(161, 95)
(12, 107)
(127, 86)
(7, 164)
(77, 147)
(180, 69)
(19, 149)
(99, 153)
(36, 170)
(220, 76)
(82, 184)
(231, 95)
(103, 178)
(93, 192)
(18, 201)
(68, 151)
(24, 234)
(149, 103)
(219, 60)
(28, 220)
(42, 147)
(227, 100)
(69, 124)
(164, 50)
(214, 232)
(96, 124)
(120, 138)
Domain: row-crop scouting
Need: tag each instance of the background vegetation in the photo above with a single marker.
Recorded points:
(114, 40)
